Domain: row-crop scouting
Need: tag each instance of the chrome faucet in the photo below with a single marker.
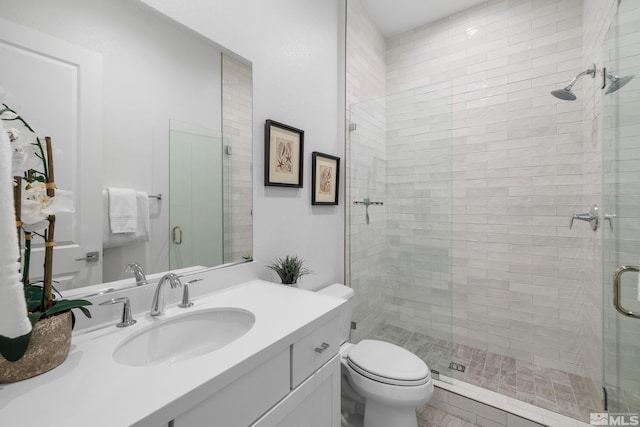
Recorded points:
(159, 301)
(136, 269)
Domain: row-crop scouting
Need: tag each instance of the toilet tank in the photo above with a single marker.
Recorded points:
(341, 291)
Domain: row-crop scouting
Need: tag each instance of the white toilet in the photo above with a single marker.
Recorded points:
(390, 381)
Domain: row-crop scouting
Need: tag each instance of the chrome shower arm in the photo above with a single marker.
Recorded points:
(590, 71)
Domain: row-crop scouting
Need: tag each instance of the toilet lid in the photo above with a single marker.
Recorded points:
(388, 363)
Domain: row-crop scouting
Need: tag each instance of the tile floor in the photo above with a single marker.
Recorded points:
(428, 416)
(558, 391)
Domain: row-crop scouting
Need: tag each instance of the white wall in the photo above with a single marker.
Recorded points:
(295, 48)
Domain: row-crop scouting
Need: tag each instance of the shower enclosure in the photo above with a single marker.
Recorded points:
(458, 239)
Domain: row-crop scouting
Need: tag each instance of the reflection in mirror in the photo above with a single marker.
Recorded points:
(237, 118)
(150, 70)
(196, 186)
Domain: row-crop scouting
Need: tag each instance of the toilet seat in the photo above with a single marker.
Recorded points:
(388, 364)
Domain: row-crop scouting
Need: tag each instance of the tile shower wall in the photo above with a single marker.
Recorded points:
(237, 90)
(419, 186)
(367, 261)
(518, 174)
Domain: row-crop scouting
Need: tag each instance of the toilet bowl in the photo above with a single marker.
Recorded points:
(390, 380)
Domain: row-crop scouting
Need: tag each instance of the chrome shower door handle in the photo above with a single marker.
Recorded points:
(177, 235)
(616, 291)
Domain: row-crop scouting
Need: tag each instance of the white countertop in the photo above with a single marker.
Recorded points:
(90, 388)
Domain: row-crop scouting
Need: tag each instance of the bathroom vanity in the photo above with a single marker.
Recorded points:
(283, 369)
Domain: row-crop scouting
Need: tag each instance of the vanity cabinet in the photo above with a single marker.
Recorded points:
(300, 386)
(314, 400)
(283, 372)
(314, 403)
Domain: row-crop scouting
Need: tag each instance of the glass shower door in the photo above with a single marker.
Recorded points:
(621, 225)
(399, 222)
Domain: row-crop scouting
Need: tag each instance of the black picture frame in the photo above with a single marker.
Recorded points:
(283, 155)
(325, 177)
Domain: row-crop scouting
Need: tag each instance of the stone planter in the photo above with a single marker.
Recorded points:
(48, 348)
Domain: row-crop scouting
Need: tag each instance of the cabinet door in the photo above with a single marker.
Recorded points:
(315, 403)
(244, 400)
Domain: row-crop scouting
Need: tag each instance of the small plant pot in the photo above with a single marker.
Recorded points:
(48, 348)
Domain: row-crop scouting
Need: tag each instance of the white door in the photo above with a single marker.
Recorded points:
(57, 87)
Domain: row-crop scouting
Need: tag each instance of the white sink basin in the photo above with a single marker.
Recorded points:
(184, 336)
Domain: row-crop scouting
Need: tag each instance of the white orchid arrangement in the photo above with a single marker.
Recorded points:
(36, 201)
(38, 205)
(29, 163)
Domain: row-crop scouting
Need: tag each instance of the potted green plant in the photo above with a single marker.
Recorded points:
(35, 200)
(289, 269)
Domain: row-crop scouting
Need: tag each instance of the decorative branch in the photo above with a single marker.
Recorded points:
(17, 198)
(49, 241)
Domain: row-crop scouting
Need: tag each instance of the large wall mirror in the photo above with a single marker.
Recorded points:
(135, 101)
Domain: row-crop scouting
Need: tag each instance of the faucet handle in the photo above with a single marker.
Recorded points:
(186, 303)
(591, 217)
(174, 280)
(127, 318)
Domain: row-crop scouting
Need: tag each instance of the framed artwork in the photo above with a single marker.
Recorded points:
(325, 176)
(283, 154)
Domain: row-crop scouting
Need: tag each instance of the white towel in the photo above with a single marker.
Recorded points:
(142, 233)
(13, 308)
(123, 210)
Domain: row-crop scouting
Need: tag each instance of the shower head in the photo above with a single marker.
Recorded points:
(566, 94)
(617, 82)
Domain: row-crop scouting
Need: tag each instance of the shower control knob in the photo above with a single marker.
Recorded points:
(591, 217)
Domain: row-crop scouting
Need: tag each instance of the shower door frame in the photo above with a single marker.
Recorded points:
(621, 240)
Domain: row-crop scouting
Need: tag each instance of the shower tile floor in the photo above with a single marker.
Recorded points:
(561, 392)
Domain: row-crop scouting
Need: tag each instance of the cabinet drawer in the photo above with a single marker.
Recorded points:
(314, 350)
